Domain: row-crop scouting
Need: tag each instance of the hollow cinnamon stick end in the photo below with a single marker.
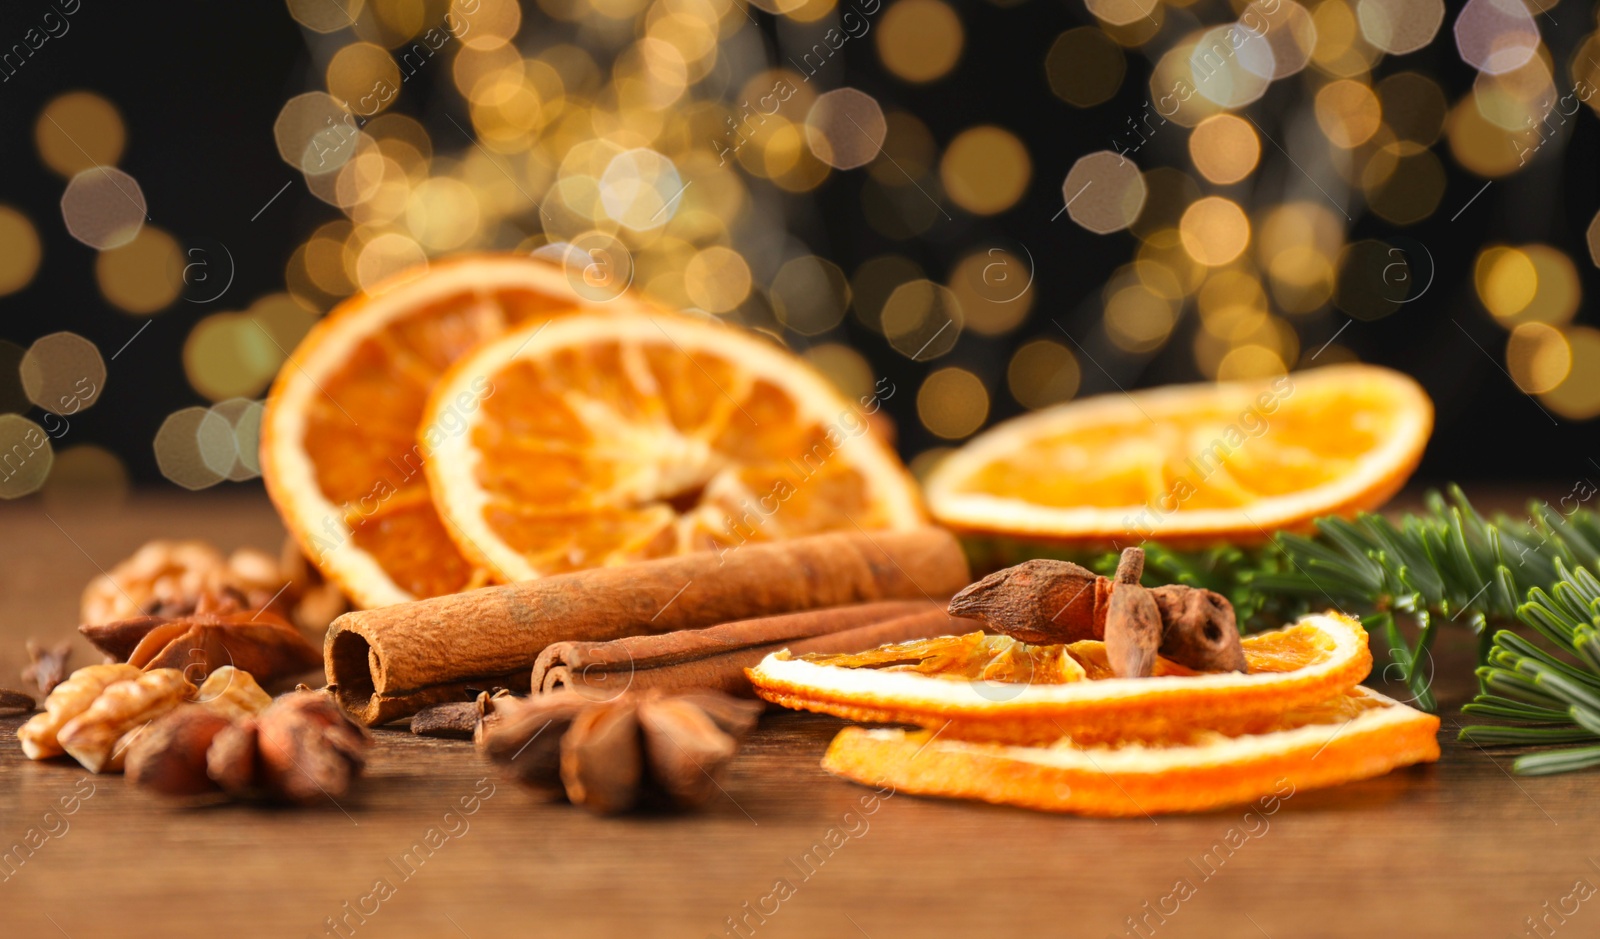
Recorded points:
(1039, 601)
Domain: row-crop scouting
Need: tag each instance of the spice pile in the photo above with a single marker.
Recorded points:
(679, 516)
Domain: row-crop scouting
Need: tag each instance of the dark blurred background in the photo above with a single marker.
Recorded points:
(197, 87)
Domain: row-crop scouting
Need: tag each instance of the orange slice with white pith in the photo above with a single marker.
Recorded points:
(597, 440)
(997, 689)
(339, 448)
(1225, 461)
(1353, 735)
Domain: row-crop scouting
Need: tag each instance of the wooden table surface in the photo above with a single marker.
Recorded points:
(1458, 849)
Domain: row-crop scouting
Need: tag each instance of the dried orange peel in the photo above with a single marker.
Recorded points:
(1298, 666)
(1224, 461)
(605, 439)
(341, 450)
(1354, 735)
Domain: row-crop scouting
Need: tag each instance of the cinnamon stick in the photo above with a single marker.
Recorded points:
(392, 661)
(716, 658)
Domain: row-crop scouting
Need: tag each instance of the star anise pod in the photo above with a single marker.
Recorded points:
(261, 643)
(633, 750)
(47, 667)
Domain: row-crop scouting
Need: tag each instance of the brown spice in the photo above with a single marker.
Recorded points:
(170, 757)
(716, 658)
(1045, 601)
(1133, 621)
(453, 720)
(11, 701)
(300, 749)
(630, 751)
(261, 643)
(385, 663)
(47, 667)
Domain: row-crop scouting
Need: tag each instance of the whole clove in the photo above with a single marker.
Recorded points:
(1133, 621)
(1049, 602)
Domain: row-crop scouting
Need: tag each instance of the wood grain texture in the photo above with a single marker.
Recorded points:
(1457, 849)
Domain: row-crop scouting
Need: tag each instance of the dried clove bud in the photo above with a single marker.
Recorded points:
(1049, 602)
(47, 667)
(1133, 621)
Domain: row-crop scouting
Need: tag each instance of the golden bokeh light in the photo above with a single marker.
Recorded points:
(922, 320)
(1481, 147)
(1104, 192)
(103, 207)
(230, 355)
(1084, 67)
(1348, 112)
(1400, 26)
(325, 16)
(79, 131)
(386, 257)
(919, 40)
(1538, 357)
(1120, 12)
(1578, 396)
(1495, 36)
(63, 373)
(845, 367)
(1139, 320)
(874, 281)
(365, 77)
(1413, 107)
(1250, 362)
(1506, 280)
(1412, 190)
(986, 169)
(1224, 148)
(1341, 50)
(717, 279)
(1043, 372)
(809, 295)
(26, 455)
(1214, 231)
(19, 250)
(845, 128)
(952, 403)
(143, 276)
(178, 449)
(1288, 29)
(995, 290)
(1231, 65)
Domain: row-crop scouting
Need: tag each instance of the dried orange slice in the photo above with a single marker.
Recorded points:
(339, 448)
(601, 440)
(1354, 735)
(1187, 463)
(1037, 698)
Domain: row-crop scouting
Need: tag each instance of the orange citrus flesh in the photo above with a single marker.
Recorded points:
(1356, 734)
(1190, 463)
(599, 440)
(994, 688)
(339, 447)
